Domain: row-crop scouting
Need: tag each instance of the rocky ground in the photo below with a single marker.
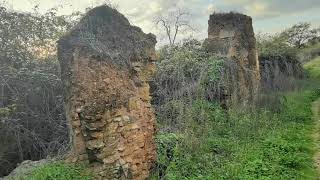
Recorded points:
(25, 168)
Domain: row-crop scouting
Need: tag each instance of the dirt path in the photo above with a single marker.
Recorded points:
(316, 115)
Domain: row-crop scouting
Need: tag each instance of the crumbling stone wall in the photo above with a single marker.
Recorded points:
(105, 67)
(231, 35)
(280, 73)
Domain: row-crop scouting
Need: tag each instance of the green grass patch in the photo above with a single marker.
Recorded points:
(60, 171)
(238, 144)
(313, 67)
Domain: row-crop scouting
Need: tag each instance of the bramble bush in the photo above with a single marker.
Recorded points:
(185, 73)
(32, 119)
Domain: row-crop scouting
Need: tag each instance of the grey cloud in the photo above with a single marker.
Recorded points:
(269, 8)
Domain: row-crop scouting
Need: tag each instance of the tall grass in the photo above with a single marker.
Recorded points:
(242, 144)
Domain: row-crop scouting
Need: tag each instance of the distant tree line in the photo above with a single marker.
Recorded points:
(301, 42)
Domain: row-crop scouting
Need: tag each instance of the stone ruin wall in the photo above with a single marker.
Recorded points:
(107, 95)
(280, 73)
(231, 35)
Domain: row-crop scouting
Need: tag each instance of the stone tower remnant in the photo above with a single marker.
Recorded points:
(105, 67)
(231, 35)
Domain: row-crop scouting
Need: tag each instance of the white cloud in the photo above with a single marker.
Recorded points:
(142, 12)
(270, 8)
(260, 9)
(257, 8)
(210, 9)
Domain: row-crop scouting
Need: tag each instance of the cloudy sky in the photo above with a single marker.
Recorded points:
(268, 15)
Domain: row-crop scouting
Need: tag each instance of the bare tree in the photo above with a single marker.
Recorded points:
(173, 23)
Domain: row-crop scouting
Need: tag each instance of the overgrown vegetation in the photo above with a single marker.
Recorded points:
(272, 141)
(186, 73)
(275, 46)
(32, 124)
(198, 139)
(240, 144)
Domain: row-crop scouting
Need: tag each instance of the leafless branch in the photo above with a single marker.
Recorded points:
(174, 23)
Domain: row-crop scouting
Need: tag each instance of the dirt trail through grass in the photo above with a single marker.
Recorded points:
(316, 114)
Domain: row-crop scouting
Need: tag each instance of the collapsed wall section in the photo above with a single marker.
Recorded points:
(105, 67)
(231, 35)
(280, 73)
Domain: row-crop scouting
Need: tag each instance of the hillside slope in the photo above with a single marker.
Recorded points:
(313, 67)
